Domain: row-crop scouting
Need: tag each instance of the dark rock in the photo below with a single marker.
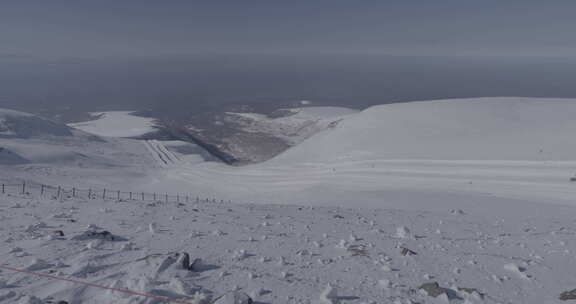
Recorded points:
(179, 261)
(98, 235)
(195, 266)
(568, 295)
(407, 252)
(59, 233)
(184, 260)
(433, 289)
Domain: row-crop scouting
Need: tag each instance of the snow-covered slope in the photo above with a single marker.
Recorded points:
(8, 157)
(247, 137)
(36, 149)
(14, 124)
(460, 129)
(505, 147)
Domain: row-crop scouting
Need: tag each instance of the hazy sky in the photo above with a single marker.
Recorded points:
(151, 27)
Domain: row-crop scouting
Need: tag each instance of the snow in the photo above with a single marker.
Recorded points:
(463, 129)
(117, 124)
(472, 197)
(511, 148)
(495, 255)
(15, 124)
(8, 157)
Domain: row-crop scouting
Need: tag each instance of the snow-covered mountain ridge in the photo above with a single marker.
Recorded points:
(15, 124)
(477, 128)
(247, 137)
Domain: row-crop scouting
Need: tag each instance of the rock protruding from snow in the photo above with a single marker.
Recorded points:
(407, 252)
(234, 297)
(98, 235)
(568, 295)
(432, 289)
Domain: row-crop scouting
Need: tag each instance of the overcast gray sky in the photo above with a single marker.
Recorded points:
(151, 27)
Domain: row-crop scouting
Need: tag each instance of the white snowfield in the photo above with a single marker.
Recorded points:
(468, 129)
(479, 189)
(117, 124)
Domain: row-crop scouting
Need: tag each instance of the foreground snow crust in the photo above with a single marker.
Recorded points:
(280, 254)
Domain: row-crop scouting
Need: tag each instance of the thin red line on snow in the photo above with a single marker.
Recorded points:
(125, 291)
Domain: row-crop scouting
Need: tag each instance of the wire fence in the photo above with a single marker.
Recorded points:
(24, 188)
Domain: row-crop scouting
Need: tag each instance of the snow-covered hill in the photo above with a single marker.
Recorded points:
(35, 149)
(14, 124)
(8, 157)
(460, 129)
(518, 148)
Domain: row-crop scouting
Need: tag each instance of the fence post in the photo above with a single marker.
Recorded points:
(130, 195)
(3, 190)
(177, 198)
(59, 189)
(89, 193)
(118, 194)
(73, 192)
(24, 187)
(42, 190)
(142, 196)
(166, 197)
(104, 194)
